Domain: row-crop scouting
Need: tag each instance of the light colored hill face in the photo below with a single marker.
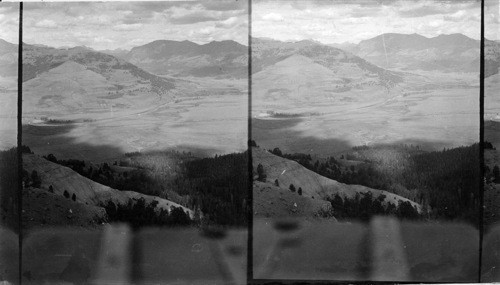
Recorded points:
(226, 59)
(8, 59)
(8, 119)
(491, 57)
(491, 98)
(114, 107)
(37, 60)
(287, 80)
(268, 52)
(87, 191)
(80, 80)
(309, 69)
(8, 94)
(290, 172)
(204, 117)
(74, 88)
(270, 201)
(308, 77)
(308, 97)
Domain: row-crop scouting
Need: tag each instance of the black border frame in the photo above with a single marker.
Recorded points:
(250, 279)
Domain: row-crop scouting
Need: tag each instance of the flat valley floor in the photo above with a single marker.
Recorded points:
(211, 119)
(433, 111)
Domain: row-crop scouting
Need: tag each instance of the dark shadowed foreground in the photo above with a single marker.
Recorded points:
(384, 250)
(115, 254)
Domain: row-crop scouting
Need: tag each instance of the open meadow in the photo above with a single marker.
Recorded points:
(8, 112)
(210, 120)
(432, 114)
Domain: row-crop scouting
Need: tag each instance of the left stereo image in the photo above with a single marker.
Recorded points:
(134, 141)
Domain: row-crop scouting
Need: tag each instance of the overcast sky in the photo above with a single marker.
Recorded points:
(127, 24)
(340, 21)
(492, 19)
(9, 21)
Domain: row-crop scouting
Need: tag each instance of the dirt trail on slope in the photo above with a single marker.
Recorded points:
(313, 185)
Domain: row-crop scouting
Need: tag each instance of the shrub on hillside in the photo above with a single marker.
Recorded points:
(26, 149)
(496, 174)
(139, 214)
(364, 206)
(36, 181)
(261, 176)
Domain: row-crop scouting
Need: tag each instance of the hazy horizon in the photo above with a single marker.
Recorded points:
(68, 47)
(267, 38)
(333, 22)
(112, 25)
(319, 41)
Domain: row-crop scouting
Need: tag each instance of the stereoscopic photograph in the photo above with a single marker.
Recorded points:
(249, 142)
(365, 128)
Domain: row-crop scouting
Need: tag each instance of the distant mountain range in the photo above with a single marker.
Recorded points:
(345, 65)
(69, 79)
(223, 59)
(287, 75)
(79, 79)
(186, 58)
(37, 60)
(120, 53)
(448, 53)
(220, 59)
(379, 56)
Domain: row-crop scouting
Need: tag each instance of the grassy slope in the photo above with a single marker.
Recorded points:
(492, 157)
(87, 191)
(42, 209)
(290, 172)
(270, 201)
(492, 190)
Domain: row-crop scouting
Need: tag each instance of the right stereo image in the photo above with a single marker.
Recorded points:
(366, 141)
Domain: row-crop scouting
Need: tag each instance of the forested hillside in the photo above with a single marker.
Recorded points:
(215, 187)
(8, 189)
(444, 182)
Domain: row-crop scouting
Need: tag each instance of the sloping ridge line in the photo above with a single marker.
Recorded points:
(87, 191)
(291, 172)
